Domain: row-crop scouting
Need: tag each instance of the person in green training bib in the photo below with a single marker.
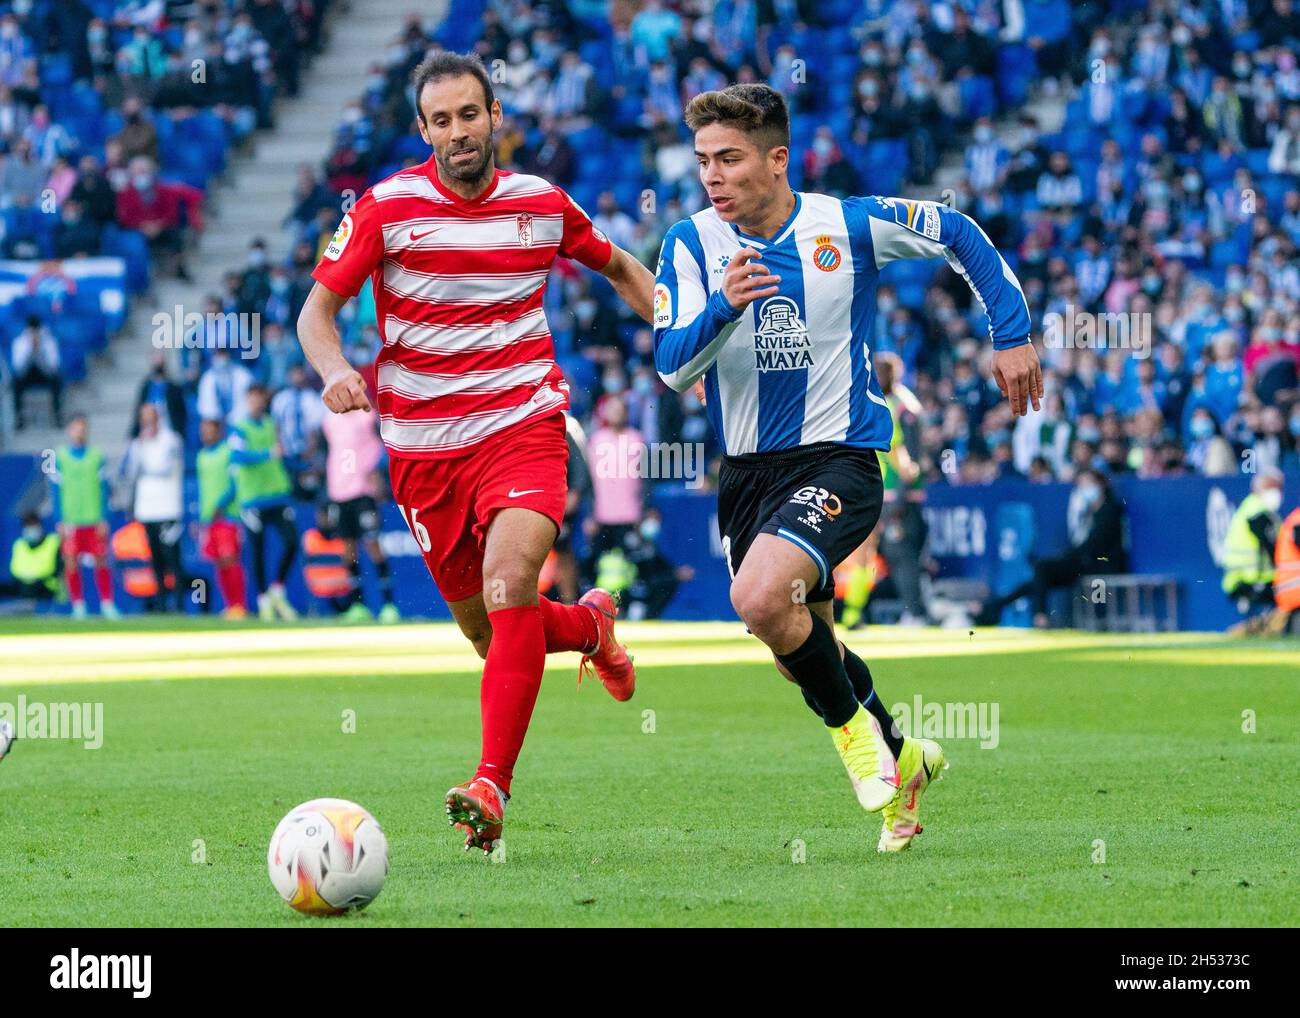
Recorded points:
(218, 513)
(79, 477)
(265, 498)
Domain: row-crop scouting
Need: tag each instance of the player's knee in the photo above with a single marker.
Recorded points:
(764, 611)
(509, 585)
(481, 641)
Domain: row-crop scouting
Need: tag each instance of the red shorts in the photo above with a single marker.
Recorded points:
(449, 503)
(220, 540)
(85, 541)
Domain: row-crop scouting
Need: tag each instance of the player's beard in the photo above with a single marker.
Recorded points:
(470, 170)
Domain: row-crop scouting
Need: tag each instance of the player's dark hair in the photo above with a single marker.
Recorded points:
(445, 64)
(758, 110)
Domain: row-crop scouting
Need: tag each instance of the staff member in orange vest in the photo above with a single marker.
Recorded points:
(325, 569)
(1286, 579)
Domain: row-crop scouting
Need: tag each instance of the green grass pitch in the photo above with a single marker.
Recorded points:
(1135, 781)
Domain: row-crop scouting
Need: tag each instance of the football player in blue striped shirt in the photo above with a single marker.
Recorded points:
(767, 297)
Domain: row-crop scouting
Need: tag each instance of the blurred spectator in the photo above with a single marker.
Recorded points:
(615, 453)
(1097, 546)
(164, 211)
(36, 365)
(223, 389)
(138, 136)
(34, 563)
(164, 395)
(154, 466)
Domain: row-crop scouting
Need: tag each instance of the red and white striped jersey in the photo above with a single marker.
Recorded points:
(458, 293)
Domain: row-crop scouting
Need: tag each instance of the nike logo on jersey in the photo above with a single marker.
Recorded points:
(516, 494)
(419, 236)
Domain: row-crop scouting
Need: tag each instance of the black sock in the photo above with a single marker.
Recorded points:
(819, 671)
(385, 580)
(354, 577)
(865, 690)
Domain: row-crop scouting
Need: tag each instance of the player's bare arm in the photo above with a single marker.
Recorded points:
(318, 333)
(632, 281)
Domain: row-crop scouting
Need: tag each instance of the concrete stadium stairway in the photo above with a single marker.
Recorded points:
(250, 200)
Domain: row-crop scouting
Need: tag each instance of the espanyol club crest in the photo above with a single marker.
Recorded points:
(827, 256)
(525, 223)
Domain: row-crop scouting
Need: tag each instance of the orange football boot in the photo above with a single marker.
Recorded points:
(611, 660)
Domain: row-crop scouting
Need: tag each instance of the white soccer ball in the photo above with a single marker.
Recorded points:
(6, 738)
(328, 856)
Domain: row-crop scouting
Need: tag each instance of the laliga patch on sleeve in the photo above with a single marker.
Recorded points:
(340, 239)
(918, 216)
(663, 304)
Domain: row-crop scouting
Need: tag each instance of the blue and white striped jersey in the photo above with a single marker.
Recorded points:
(795, 369)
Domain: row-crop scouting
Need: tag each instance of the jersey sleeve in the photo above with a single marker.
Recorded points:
(897, 228)
(690, 325)
(583, 241)
(355, 250)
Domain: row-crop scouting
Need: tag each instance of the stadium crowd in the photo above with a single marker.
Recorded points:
(1169, 199)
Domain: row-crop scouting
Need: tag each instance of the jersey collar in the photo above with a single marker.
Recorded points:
(431, 171)
(781, 234)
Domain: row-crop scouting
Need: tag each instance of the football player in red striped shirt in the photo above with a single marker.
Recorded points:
(471, 400)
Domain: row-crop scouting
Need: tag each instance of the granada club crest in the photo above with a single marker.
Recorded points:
(525, 223)
(826, 256)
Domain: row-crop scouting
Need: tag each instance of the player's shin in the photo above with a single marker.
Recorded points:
(865, 691)
(819, 672)
(512, 677)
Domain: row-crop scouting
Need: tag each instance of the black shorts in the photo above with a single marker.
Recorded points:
(825, 499)
(355, 519)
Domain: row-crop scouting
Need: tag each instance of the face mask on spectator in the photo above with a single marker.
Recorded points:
(1090, 435)
(1201, 428)
(649, 530)
(983, 134)
(1272, 499)
(644, 385)
(142, 181)
(1090, 494)
(869, 88)
(823, 147)
(257, 258)
(33, 534)
(1295, 426)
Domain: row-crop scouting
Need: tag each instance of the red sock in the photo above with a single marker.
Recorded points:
(511, 679)
(76, 592)
(230, 578)
(104, 583)
(568, 626)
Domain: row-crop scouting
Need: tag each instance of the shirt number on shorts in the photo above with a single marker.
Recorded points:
(726, 555)
(417, 528)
